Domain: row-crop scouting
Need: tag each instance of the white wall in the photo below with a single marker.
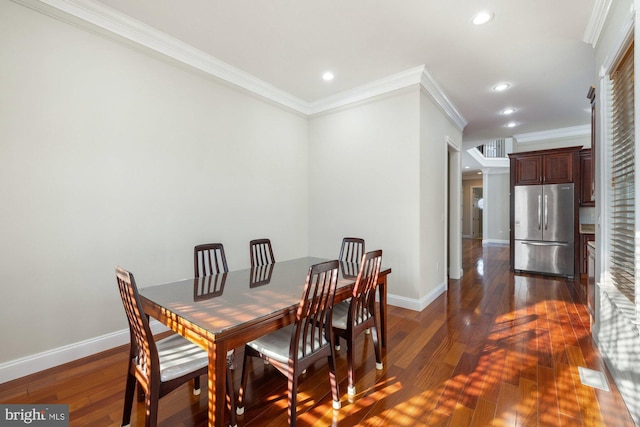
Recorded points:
(111, 156)
(495, 215)
(363, 182)
(435, 132)
(551, 143)
(616, 318)
(467, 205)
(378, 171)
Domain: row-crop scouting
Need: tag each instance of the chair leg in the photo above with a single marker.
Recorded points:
(243, 383)
(292, 396)
(376, 347)
(128, 399)
(351, 387)
(196, 386)
(335, 393)
(231, 398)
(151, 405)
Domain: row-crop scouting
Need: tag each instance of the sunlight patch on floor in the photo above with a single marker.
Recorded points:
(591, 378)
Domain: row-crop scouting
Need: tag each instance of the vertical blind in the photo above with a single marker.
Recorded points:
(622, 231)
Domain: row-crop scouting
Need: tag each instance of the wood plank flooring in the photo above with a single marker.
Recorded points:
(496, 349)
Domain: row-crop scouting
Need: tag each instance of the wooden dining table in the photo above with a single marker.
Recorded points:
(225, 311)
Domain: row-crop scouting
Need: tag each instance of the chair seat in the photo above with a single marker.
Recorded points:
(178, 357)
(276, 344)
(341, 313)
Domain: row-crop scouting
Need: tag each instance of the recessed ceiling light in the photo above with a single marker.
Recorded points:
(328, 76)
(479, 173)
(511, 124)
(508, 111)
(466, 167)
(501, 86)
(482, 18)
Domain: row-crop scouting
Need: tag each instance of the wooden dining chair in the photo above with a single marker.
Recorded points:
(261, 252)
(210, 263)
(351, 250)
(295, 347)
(357, 314)
(157, 367)
(209, 259)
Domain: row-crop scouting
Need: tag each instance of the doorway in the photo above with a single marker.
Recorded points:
(477, 204)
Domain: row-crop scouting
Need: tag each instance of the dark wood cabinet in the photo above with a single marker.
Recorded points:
(558, 168)
(545, 167)
(586, 173)
(528, 169)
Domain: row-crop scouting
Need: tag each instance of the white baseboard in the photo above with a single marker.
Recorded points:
(416, 304)
(455, 275)
(48, 359)
(495, 241)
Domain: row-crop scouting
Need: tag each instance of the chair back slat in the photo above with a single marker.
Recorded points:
(209, 259)
(363, 296)
(313, 318)
(261, 252)
(143, 349)
(352, 249)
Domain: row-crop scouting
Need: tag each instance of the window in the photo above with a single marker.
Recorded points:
(622, 177)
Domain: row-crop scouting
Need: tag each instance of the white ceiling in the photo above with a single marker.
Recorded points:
(535, 45)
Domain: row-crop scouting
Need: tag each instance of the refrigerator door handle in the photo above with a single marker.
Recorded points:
(545, 243)
(539, 211)
(546, 213)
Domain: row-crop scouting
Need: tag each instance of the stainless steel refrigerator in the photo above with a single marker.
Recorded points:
(544, 229)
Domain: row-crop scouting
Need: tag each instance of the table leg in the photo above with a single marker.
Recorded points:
(382, 294)
(217, 383)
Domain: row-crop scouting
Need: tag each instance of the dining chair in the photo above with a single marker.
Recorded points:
(351, 250)
(357, 314)
(261, 252)
(157, 367)
(209, 259)
(210, 263)
(295, 347)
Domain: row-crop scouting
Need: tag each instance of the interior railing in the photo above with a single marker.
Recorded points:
(494, 149)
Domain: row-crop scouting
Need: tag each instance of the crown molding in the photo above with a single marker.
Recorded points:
(413, 76)
(567, 132)
(596, 21)
(97, 17)
(430, 84)
(377, 87)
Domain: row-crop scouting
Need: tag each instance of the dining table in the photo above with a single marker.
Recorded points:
(225, 311)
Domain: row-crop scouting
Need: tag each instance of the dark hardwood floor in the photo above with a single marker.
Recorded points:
(496, 349)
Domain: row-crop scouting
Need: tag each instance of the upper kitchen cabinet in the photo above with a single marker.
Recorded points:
(556, 166)
(586, 188)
